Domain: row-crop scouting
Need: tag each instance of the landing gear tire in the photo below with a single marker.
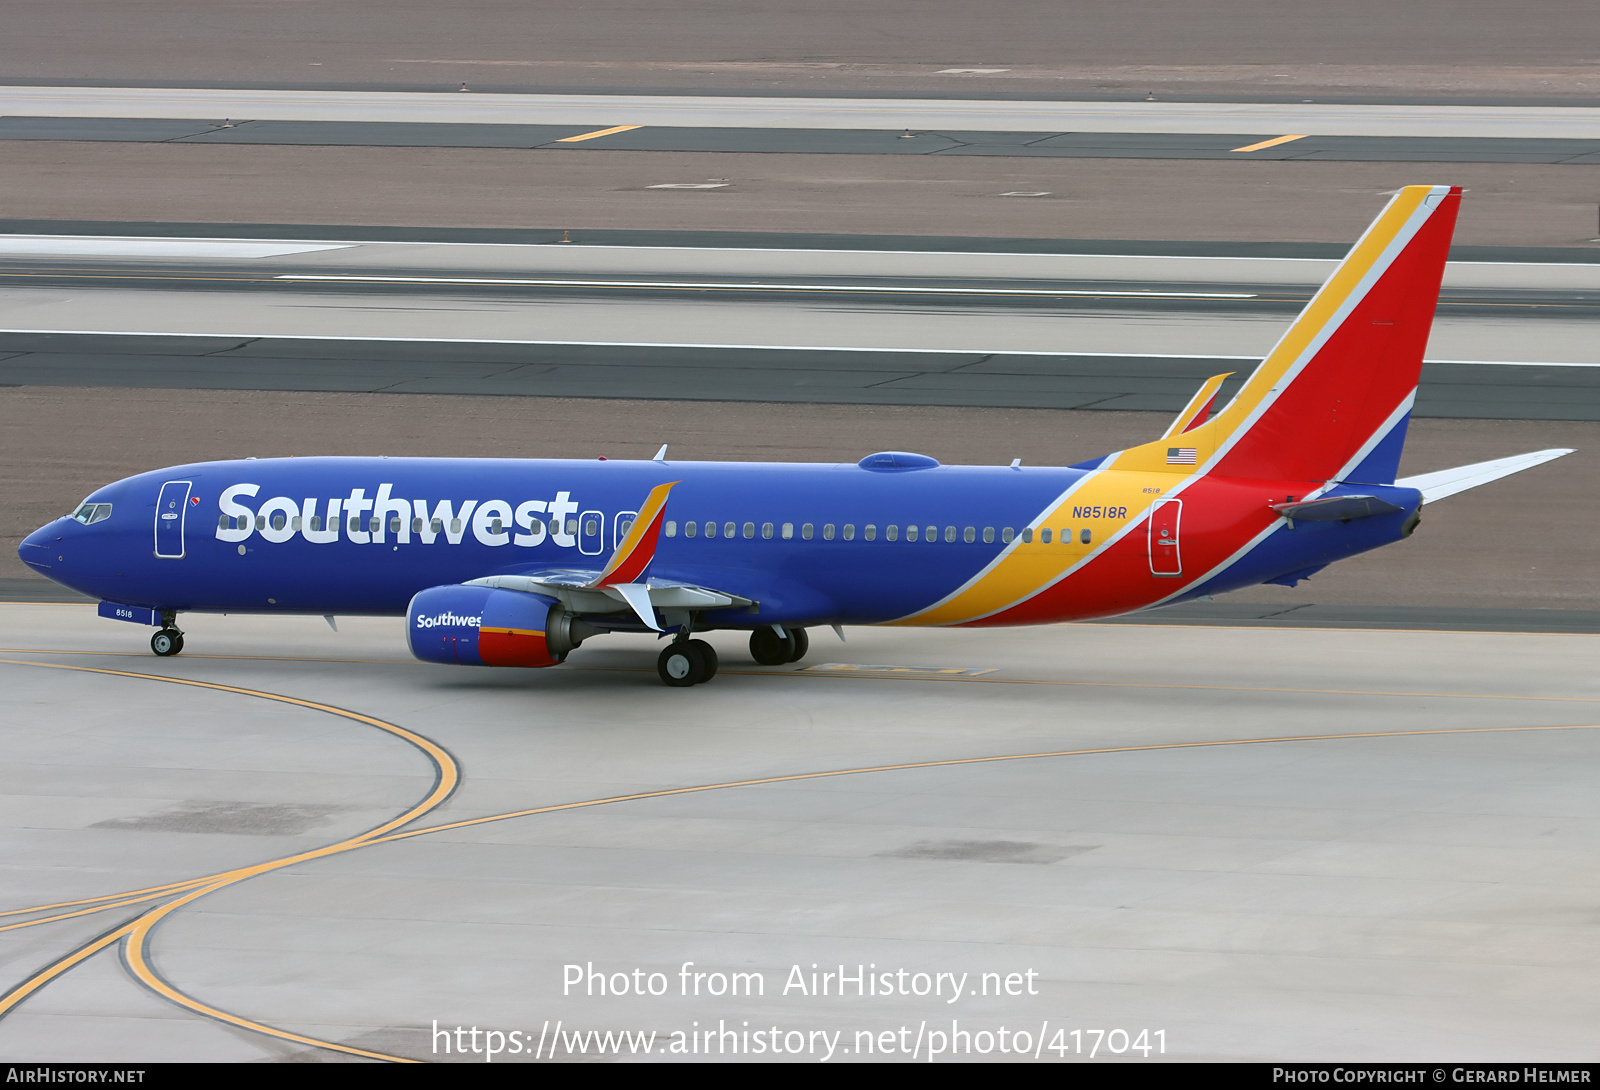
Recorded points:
(770, 649)
(802, 644)
(168, 641)
(708, 655)
(682, 664)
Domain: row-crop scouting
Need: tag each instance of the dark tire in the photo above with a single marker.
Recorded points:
(681, 665)
(770, 649)
(166, 642)
(708, 656)
(802, 644)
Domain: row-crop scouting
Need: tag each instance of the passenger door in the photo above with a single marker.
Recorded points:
(1165, 553)
(171, 507)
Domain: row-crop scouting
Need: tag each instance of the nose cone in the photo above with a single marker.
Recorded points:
(35, 550)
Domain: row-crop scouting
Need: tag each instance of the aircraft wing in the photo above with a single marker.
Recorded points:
(1447, 482)
(575, 589)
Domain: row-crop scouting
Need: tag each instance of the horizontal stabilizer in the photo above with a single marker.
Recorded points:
(1447, 482)
(1335, 508)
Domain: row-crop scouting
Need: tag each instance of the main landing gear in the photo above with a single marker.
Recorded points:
(687, 662)
(770, 649)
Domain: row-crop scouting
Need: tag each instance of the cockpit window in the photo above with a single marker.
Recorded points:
(91, 513)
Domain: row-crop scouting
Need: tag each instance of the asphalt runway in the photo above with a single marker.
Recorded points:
(1260, 845)
(1469, 48)
(700, 373)
(1203, 202)
(864, 141)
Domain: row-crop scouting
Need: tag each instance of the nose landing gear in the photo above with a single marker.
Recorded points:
(168, 640)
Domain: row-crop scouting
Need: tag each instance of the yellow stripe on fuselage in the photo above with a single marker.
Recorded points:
(1025, 568)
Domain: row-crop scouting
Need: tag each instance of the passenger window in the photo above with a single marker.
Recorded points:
(1084, 537)
(766, 531)
(261, 522)
(870, 532)
(1044, 537)
(911, 533)
(849, 531)
(749, 530)
(931, 534)
(222, 522)
(788, 530)
(805, 531)
(416, 524)
(891, 532)
(827, 532)
(437, 525)
(294, 524)
(727, 529)
(316, 523)
(455, 526)
(375, 524)
(672, 529)
(949, 533)
(572, 526)
(988, 535)
(591, 527)
(1027, 535)
(690, 529)
(394, 525)
(1006, 535)
(969, 535)
(711, 529)
(495, 527)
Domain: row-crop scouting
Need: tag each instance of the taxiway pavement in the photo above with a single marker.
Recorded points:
(1269, 844)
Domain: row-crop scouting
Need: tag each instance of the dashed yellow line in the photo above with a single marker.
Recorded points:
(1274, 142)
(597, 132)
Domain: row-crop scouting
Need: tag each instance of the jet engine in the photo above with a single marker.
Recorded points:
(483, 626)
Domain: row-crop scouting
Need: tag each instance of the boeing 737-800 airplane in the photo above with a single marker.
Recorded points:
(516, 563)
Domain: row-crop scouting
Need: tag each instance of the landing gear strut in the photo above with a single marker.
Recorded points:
(770, 649)
(687, 662)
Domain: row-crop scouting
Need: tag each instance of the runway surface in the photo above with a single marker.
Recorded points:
(1106, 331)
(1283, 845)
(596, 112)
(1087, 142)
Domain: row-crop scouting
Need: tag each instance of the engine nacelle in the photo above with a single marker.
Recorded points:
(482, 626)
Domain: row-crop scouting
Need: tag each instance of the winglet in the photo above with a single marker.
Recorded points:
(633, 556)
(1199, 408)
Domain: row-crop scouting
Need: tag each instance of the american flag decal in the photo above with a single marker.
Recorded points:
(1181, 456)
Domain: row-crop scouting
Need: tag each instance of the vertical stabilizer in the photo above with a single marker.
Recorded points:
(1332, 399)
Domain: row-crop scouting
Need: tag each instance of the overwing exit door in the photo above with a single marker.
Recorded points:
(171, 508)
(1166, 557)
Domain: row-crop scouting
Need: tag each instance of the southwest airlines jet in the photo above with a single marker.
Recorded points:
(517, 563)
